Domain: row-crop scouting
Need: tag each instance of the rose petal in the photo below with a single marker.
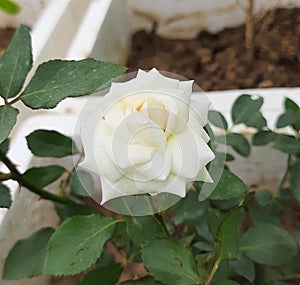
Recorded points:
(173, 185)
(204, 176)
(200, 106)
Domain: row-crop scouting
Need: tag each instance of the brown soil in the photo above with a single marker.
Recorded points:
(220, 61)
(6, 35)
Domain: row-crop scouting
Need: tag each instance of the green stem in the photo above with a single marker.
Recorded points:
(5, 176)
(158, 217)
(213, 271)
(290, 277)
(286, 173)
(18, 98)
(17, 176)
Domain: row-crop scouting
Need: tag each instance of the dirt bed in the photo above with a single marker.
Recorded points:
(6, 35)
(220, 61)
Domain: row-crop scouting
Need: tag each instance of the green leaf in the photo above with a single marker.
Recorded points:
(65, 211)
(9, 7)
(287, 144)
(289, 118)
(43, 176)
(263, 137)
(263, 197)
(191, 210)
(4, 146)
(108, 274)
(297, 237)
(268, 244)
(8, 118)
(45, 143)
(81, 183)
(26, 258)
(295, 180)
(289, 104)
(217, 119)
(77, 244)
(228, 187)
(5, 197)
(170, 263)
(227, 246)
(229, 282)
(56, 80)
(244, 267)
(15, 63)
(237, 141)
(246, 109)
(143, 229)
(148, 280)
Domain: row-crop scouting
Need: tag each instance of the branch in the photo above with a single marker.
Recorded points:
(17, 176)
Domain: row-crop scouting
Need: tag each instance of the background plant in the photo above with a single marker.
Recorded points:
(234, 237)
(9, 7)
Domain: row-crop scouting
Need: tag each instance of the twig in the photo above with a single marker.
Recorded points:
(158, 218)
(17, 176)
(286, 173)
(5, 176)
(213, 271)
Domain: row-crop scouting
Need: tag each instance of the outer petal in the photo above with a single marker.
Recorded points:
(89, 122)
(204, 175)
(156, 81)
(173, 185)
(185, 155)
(200, 106)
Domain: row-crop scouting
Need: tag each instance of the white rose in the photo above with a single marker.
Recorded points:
(146, 136)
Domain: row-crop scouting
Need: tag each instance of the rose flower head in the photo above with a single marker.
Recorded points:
(146, 136)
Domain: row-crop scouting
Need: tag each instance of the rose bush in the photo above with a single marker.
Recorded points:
(146, 136)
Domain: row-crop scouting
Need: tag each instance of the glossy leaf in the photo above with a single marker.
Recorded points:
(108, 274)
(56, 80)
(217, 119)
(27, 257)
(143, 229)
(228, 187)
(289, 104)
(170, 263)
(268, 244)
(244, 267)
(295, 180)
(191, 209)
(246, 109)
(5, 197)
(227, 235)
(15, 63)
(8, 118)
(43, 176)
(263, 137)
(45, 143)
(66, 211)
(77, 244)
(263, 197)
(287, 144)
(237, 141)
(81, 183)
(4, 146)
(289, 118)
